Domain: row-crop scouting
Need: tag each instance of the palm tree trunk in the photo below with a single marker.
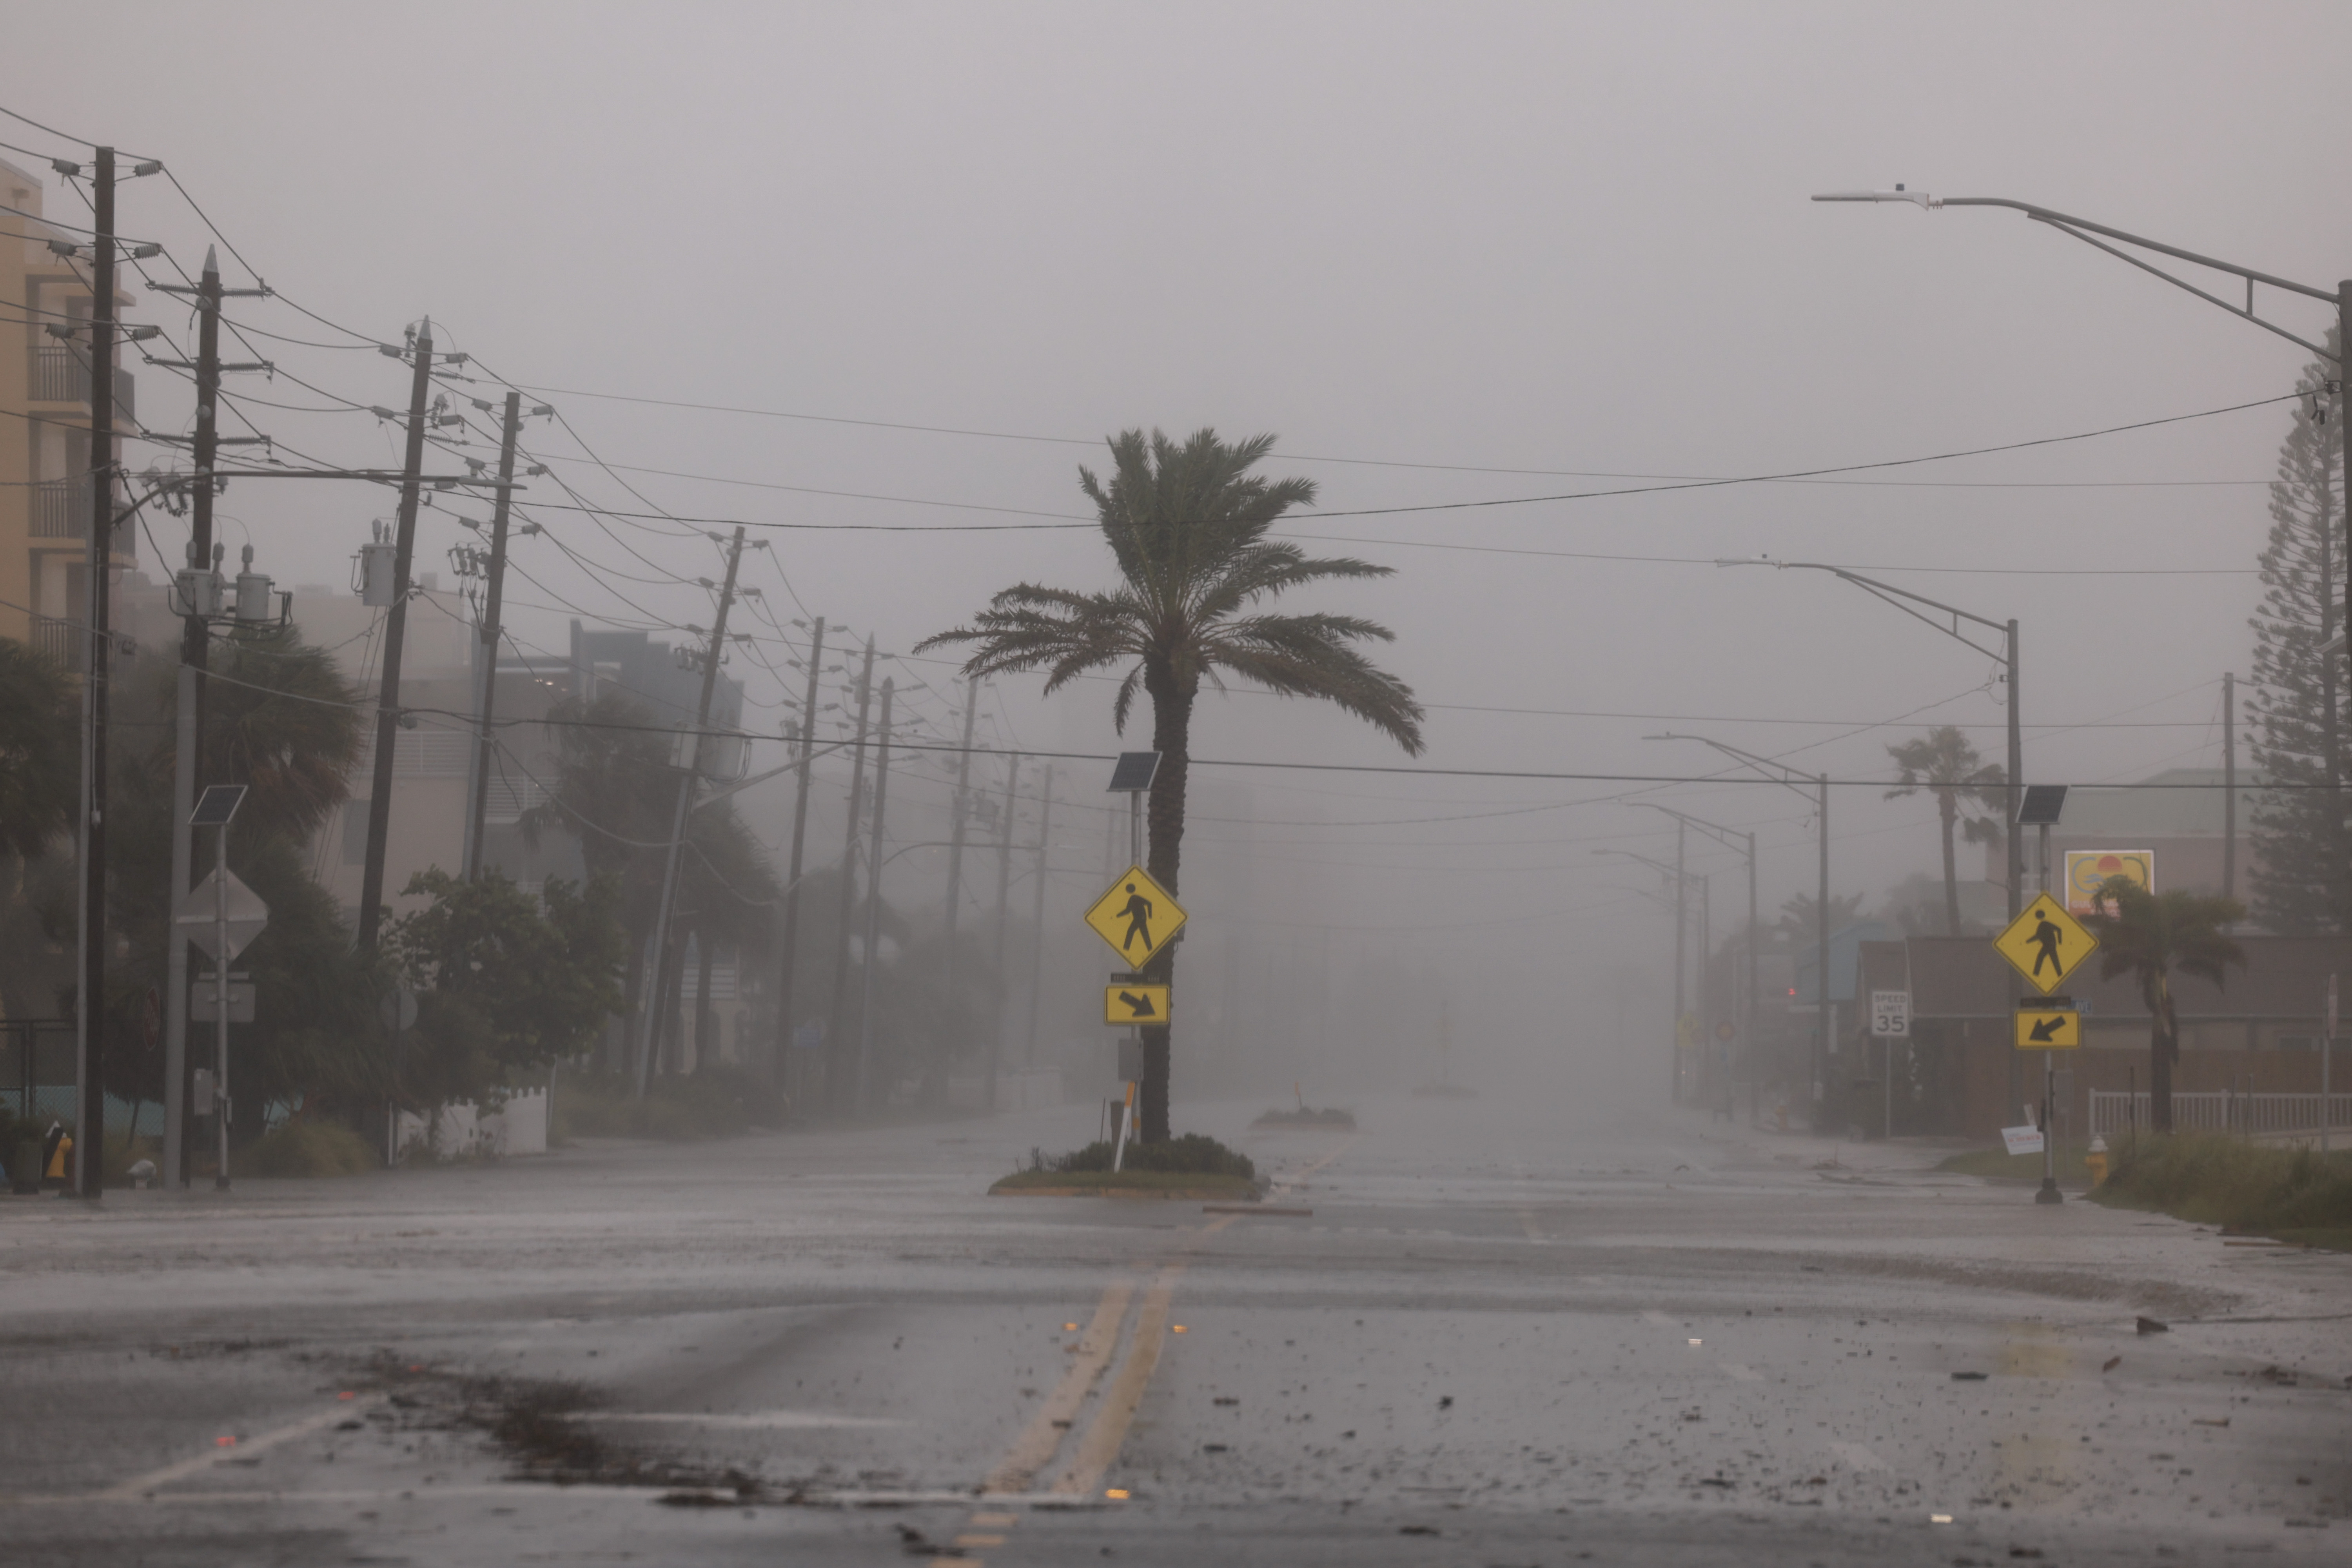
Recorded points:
(2164, 1049)
(1172, 737)
(1949, 810)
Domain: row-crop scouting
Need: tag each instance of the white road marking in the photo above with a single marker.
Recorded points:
(756, 1421)
(139, 1486)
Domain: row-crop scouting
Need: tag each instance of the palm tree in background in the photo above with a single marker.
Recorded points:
(1971, 797)
(2150, 935)
(1187, 528)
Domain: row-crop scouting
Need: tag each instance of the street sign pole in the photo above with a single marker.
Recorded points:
(2327, 1056)
(1132, 776)
(216, 808)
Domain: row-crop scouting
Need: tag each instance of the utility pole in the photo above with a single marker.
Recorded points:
(1037, 913)
(90, 1000)
(838, 1063)
(195, 657)
(957, 812)
(1003, 895)
(2229, 783)
(396, 633)
(1681, 930)
(657, 994)
(791, 939)
(491, 603)
(1821, 939)
(873, 904)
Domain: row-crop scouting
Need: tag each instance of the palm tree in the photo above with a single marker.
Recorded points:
(39, 769)
(1966, 788)
(1187, 528)
(2151, 934)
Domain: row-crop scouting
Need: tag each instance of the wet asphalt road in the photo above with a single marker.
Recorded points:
(1507, 1332)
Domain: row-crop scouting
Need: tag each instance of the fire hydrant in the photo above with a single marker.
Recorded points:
(2095, 1160)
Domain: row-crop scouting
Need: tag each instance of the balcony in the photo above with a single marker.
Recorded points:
(61, 509)
(60, 641)
(62, 375)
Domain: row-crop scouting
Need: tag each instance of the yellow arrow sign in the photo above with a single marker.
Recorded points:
(1138, 917)
(1135, 1005)
(2049, 1029)
(2045, 943)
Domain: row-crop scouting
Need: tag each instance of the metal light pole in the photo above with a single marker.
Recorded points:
(1732, 839)
(1681, 880)
(2006, 654)
(2083, 229)
(1790, 778)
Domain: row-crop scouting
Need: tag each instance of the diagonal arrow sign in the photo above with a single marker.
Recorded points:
(1139, 1006)
(2046, 1030)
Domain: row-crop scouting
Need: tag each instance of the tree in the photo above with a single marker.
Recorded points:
(2149, 935)
(39, 760)
(510, 982)
(1796, 927)
(1187, 529)
(2302, 873)
(1970, 796)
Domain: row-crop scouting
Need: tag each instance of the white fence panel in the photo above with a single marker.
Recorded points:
(2219, 1110)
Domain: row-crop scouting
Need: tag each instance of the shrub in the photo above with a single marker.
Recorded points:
(717, 1100)
(1192, 1155)
(309, 1147)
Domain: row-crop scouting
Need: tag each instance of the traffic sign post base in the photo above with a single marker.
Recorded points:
(2048, 1192)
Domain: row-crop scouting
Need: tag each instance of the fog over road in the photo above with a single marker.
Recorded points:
(1498, 1337)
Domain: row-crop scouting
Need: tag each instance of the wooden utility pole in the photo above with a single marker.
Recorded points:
(492, 598)
(1037, 906)
(395, 634)
(839, 1060)
(791, 939)
(1003, 896)
(657, 994)
(90, 1000)
(873, 904)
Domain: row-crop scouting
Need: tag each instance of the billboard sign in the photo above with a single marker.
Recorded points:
(2086, 868)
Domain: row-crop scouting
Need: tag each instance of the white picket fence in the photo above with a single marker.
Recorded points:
(2221, 1111)
(521, 1128)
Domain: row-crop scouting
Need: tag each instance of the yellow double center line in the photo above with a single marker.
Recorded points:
(1097, 1448)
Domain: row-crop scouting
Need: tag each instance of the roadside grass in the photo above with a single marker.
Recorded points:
(2294, 1195)
(2000, 1165)
(304, 1147)
(1159, 1183)
(716, 1102)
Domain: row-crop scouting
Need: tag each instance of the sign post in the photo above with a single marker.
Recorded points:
(2045, 944)
(2327, 1056)
(1145, 915)
(1890, 1020)
(228, 935)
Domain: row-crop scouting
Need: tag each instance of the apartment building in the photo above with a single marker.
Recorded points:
(45, 501)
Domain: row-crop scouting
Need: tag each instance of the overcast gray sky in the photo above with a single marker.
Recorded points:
(1568, 240)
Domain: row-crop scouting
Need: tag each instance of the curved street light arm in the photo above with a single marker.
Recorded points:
(1728, 837)
(1895, 597)
(1786, 775)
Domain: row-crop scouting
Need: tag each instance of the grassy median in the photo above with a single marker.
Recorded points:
(2294, 1195)
(1191, 1166)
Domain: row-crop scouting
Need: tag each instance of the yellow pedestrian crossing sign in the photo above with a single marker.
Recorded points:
(1137, 1004)
(1138, 917)
(2045, 943)
(2049, 1029)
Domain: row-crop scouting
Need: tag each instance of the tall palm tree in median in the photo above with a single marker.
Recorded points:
(1967, 788)
(2149, 935)
(1187, 528)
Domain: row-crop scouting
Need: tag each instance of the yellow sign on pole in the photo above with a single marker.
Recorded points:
(1135, 1004)
(1138, 917)
(2049, 1029)
(2045, 944)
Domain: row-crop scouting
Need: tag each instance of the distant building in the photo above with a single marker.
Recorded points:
(44, 499)
(2179, 816)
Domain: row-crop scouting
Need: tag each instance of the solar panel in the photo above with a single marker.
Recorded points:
(216, 805)
(2041, 807)
(1134, 771)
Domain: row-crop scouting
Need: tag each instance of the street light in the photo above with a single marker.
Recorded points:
(2083, 229)
(1732, 839)
(2007, 653)
(1682, 880)
(1787, 777)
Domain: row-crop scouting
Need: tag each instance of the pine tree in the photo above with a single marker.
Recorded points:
(2302, 849)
